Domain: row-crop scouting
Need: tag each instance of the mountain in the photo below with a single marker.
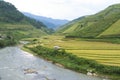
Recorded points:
(68, 25)
(14, 24)
(105, 24)
(49, 22)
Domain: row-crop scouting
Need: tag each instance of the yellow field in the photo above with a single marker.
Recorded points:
(105, 53)
(108, 57)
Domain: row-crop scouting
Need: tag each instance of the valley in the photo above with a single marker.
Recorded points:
(89, 44)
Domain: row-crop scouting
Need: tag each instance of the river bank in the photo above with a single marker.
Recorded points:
(87, 66)
(17, 64)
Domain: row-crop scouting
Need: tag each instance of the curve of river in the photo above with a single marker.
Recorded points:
(16, 64)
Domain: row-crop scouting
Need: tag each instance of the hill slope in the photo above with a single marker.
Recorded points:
(103, 24)
(49, 22)
(12, 22)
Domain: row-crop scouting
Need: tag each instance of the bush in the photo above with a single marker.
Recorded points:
(7, 42)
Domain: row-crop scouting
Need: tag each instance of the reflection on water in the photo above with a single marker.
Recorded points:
(16, 64)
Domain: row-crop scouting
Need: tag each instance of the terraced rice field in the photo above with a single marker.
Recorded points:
(103, 52)
(108, 57)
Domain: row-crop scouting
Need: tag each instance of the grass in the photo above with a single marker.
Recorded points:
(17, 26)
(71, 28)
(114, 29)
(103, 52)
(20, 30)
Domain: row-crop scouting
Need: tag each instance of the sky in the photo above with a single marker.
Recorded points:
(62, 9)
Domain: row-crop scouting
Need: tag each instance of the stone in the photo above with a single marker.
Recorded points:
(89, 74)
(30, 71)
(59, 65)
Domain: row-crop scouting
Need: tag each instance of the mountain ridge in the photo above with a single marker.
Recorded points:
(49, 22)
(93, 25)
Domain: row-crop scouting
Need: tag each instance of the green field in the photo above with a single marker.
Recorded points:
(71, 28)
(113, 30)
(103, 52)
(20, 30)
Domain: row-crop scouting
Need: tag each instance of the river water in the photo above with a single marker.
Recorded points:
(16, 64)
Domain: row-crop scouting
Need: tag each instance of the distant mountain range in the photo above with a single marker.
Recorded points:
(105, 24)
(49, 22)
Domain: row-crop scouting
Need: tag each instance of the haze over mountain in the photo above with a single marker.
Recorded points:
(49, 22)
(103, 24)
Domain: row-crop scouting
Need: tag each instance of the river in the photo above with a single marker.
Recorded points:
(16, 64)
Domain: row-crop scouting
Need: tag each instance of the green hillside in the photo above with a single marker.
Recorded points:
(112, 31)
(65, 28)
(14, 25)
(96, 25)
(13, 21)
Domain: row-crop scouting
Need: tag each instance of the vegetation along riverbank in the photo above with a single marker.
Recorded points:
(73, 62)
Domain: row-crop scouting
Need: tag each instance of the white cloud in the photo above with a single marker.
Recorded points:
(62, 9)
